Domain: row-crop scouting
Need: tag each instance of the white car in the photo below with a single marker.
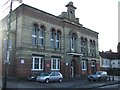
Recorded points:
(49, 76)
(98, 75)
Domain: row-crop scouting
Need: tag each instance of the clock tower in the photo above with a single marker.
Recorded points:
(71, 11)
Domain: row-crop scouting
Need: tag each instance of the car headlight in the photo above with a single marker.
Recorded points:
(32, 77)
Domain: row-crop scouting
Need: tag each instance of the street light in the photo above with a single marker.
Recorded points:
(6, 61)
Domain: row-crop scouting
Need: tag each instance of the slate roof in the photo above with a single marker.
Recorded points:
(109, 55)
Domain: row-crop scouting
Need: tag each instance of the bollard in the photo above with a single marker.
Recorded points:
(112, 78)
(109, 78)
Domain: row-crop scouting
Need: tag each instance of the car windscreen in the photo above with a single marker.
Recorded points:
(44, 74)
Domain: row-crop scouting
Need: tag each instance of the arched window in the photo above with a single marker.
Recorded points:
(55, 38)
(52, 38)
(73, 42)
(58, 39)
(41, 35)
(86, 46)
(92, 48)
(34, 34)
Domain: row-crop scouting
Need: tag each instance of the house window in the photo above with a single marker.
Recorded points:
(58, 39)
(41, 36)
(92, 63)
(52, 38)
(84, 46)
(37, 63)
(55, 64)
(34, 34)
(73, 42)
(55, 39)
(84, 66)
(38, 35)
(93, 48)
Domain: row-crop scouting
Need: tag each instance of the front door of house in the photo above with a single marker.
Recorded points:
(74, 67)
(71, 71)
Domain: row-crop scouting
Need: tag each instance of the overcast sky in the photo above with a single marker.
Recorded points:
(98, 15)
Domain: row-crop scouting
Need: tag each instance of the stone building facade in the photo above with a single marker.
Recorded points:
(45, 42)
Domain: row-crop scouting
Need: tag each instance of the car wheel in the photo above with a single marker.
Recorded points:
(91, 79)
(47, 80)
(99, 79)
(60, 80)
(106, 79)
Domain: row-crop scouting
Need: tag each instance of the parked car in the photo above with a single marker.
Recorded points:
(33, 77)
(98, 75)
(49, 76)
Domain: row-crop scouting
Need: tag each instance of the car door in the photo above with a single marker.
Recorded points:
(52, 76)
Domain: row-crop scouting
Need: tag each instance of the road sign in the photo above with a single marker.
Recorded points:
(9, 44)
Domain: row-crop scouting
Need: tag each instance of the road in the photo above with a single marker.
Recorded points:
(74, 83)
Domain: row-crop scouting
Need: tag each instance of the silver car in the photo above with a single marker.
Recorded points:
(98, 75)
(49, 76)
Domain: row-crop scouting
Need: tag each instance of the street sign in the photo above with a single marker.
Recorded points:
(7, 57)
(9, 44)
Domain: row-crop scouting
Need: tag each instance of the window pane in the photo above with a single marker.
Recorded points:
(58, 65)
(36, 63)
(84, 65)
(57, 36)
(52, 35)
(72, 43)
(57, 45)
(41, 41)
(34, 40)
(54, 64)
(41, 33)
(34, 36)
(52, 44)
(41, 64)
(52, 39)
(57, 40)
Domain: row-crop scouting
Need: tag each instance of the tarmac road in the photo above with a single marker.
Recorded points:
(71, 83)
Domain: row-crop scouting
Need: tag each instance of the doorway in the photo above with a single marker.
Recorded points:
(74, 66)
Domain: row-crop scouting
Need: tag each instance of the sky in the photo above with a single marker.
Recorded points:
(98, 15)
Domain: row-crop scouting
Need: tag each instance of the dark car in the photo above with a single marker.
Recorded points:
(33, 77)
(49, 76)
(98, 75)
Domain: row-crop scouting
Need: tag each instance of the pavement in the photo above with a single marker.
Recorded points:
(0, 82)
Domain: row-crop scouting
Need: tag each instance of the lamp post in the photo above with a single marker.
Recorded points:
(112, 71)
(7, 49)
(6, 61)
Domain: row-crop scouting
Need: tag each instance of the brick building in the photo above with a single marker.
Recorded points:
(45, 42)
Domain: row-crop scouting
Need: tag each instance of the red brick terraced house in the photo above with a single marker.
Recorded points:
(45, 42)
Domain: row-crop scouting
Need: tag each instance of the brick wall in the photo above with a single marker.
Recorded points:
(89, 68)
(98, 66)
(47, 65)
(23, 69)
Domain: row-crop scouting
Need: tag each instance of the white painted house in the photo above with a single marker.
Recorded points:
(104, 63)
(108, 60)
